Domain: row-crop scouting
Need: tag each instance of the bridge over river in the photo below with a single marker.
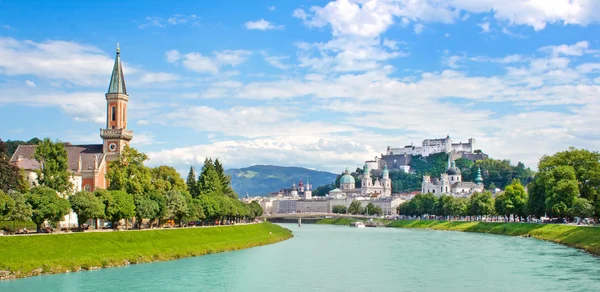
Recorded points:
(311, 218)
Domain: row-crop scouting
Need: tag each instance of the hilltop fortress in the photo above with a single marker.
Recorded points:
(399, 158)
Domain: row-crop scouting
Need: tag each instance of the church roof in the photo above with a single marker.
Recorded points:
(117, 82)
(453, 170)
(24, 156)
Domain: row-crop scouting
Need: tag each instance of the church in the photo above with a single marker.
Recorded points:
(88, 164)
(450, 183)
(369, 187)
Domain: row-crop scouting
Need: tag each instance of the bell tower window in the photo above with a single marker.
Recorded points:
(113, 113)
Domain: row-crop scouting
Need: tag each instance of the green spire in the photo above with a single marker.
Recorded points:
(479, 179)
(117, 82)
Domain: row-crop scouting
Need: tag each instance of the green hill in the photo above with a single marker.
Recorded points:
(260, 180)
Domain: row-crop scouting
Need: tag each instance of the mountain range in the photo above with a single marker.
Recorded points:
(260, 180)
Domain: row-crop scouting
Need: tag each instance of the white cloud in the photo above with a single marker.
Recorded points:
(176, 19)
(232, 57)
(300, 13)
(205, 64)
(419, 28)
(577, 49)
(172, 56)
(29, 83)
(155, 77)
(485, 27)
(271, 8)
(262, 24)
(7, 27)
(276, 61)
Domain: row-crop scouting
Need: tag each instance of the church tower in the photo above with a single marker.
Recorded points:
(116, 135)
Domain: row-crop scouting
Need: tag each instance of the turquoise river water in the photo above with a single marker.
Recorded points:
(340, 258)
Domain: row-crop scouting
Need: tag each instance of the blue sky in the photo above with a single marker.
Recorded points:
(318, 84)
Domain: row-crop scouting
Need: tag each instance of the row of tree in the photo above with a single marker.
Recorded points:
(567, 185)
(356, 208)
(135, 191)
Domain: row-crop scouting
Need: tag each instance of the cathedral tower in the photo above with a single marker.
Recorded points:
(116, 135)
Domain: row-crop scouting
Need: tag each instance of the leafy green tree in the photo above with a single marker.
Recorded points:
(582, 208)
(161, 202)
(7, 204)
(196, 211)
(86, 206)
(13, 144)
(122, 207)
(504, 205)
(129, 174)
(424, 204)
(339, 209)
(46, 205)
(561, 191)
(192, 184)
(463, 163)
(105, 197)
(536, 204)
(459, 206)
(481, 204)
(257, 209)
(166, 178)
(11, 178)
(372, 209)
(54, 171)
(586, 169)
(443, 206)
(518, 198)
(355, 208)
(321, 191)
(177, 208)
(21, 211)
(145, 208)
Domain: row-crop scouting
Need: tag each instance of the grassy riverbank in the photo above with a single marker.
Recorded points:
(22, 256)
(586, 238)
(338, 221)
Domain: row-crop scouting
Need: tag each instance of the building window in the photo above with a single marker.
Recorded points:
(87, 188)
(113, 113)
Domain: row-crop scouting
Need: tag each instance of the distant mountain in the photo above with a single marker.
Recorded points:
(260, 180)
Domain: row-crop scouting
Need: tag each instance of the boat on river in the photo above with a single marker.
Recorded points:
(357, 224)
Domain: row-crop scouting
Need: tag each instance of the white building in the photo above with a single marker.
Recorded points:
(451, 183)
(432, 146)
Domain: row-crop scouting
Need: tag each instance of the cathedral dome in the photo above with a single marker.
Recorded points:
(347, 178)
(453, 170)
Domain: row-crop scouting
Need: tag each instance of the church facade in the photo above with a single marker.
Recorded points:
(88, 163)
(369, 187)
(450, 183)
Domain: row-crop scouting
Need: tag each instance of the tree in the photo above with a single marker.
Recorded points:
(192, 184)
(21, 210)
(105, 197)
(177, 208)
(161, 202)
(463, 163)
(129, 174)
(225, 180)
(481, 204)
(166, 178)
(372, 209)
(536, 203)
(86, 206)
(459, 206)
(145, 208)
(11, 178)
(355, 208)
(122, 206)
(258, 210)
(582, 208)
(339, 209)
(504, 205)
(518, 198)
(196, 212)
(54, 163)
(46, 205)
(7, 204)
(444, 206)
(209, 181)
(586, 169)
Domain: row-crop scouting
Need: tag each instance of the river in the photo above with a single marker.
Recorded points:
(340, 258)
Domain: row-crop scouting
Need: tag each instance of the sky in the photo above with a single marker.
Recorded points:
(316, 84)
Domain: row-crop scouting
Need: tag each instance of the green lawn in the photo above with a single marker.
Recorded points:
(586, 238)
(56, 253)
